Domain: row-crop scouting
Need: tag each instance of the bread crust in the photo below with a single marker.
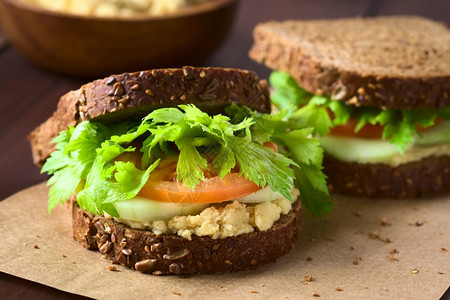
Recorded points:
(40, 139)
(172, 254)
(411, 180)
(281, 47)
(133, 95)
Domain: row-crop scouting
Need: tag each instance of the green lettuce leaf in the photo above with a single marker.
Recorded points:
(224, 161)
(399, 126)
(305, 152)
(71, 162)
(367, 116)
(263, 165)
(86, 160)
(287, 92)
(316, 200)
(190, 163)
(314, 115)
(131, 179)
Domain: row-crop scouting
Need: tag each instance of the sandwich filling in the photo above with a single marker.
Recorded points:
(219, 220)
(365, 134)
(183, 171)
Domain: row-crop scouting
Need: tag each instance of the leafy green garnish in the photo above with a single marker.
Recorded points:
(86, 157)
(287, 91)
(399, 126)
(303, 150)
(263, 166)
(71, 162)
(216, 136)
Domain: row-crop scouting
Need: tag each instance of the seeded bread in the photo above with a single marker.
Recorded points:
(172, 254)
(411, 180)
(41, 137)
(134, 95)
(387, 62)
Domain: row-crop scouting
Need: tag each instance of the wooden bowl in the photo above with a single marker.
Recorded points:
(93, 46)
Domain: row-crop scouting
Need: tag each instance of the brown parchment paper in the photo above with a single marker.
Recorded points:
(347, 249)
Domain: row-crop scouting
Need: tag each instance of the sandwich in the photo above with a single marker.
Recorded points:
(377, 93)
(178, 171)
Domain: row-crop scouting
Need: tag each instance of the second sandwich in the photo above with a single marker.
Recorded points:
(377, 92)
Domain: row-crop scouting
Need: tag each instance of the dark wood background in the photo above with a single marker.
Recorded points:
(28, 95)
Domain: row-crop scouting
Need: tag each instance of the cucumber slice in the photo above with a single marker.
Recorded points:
(381, 151)
(436, 135)
(263, 195)
(143, 209)
(358, 150)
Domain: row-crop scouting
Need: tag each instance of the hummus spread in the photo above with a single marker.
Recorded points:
(221, 220)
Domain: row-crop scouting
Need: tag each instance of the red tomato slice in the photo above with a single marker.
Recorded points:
(162, 184)
(211, 190)
(271, 145)
(369, 131)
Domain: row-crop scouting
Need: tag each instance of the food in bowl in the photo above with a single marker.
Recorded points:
(114, 8)
(91, 46)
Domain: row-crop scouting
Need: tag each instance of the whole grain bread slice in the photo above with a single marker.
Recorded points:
(387, 62)
(133, 95)
(411, 180)
(172, 254)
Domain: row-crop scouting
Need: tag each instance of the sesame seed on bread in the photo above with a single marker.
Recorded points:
(172, 254)
(133, 95)
(387, 62)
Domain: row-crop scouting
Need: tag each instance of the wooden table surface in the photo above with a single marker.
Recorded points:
(28, 95)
